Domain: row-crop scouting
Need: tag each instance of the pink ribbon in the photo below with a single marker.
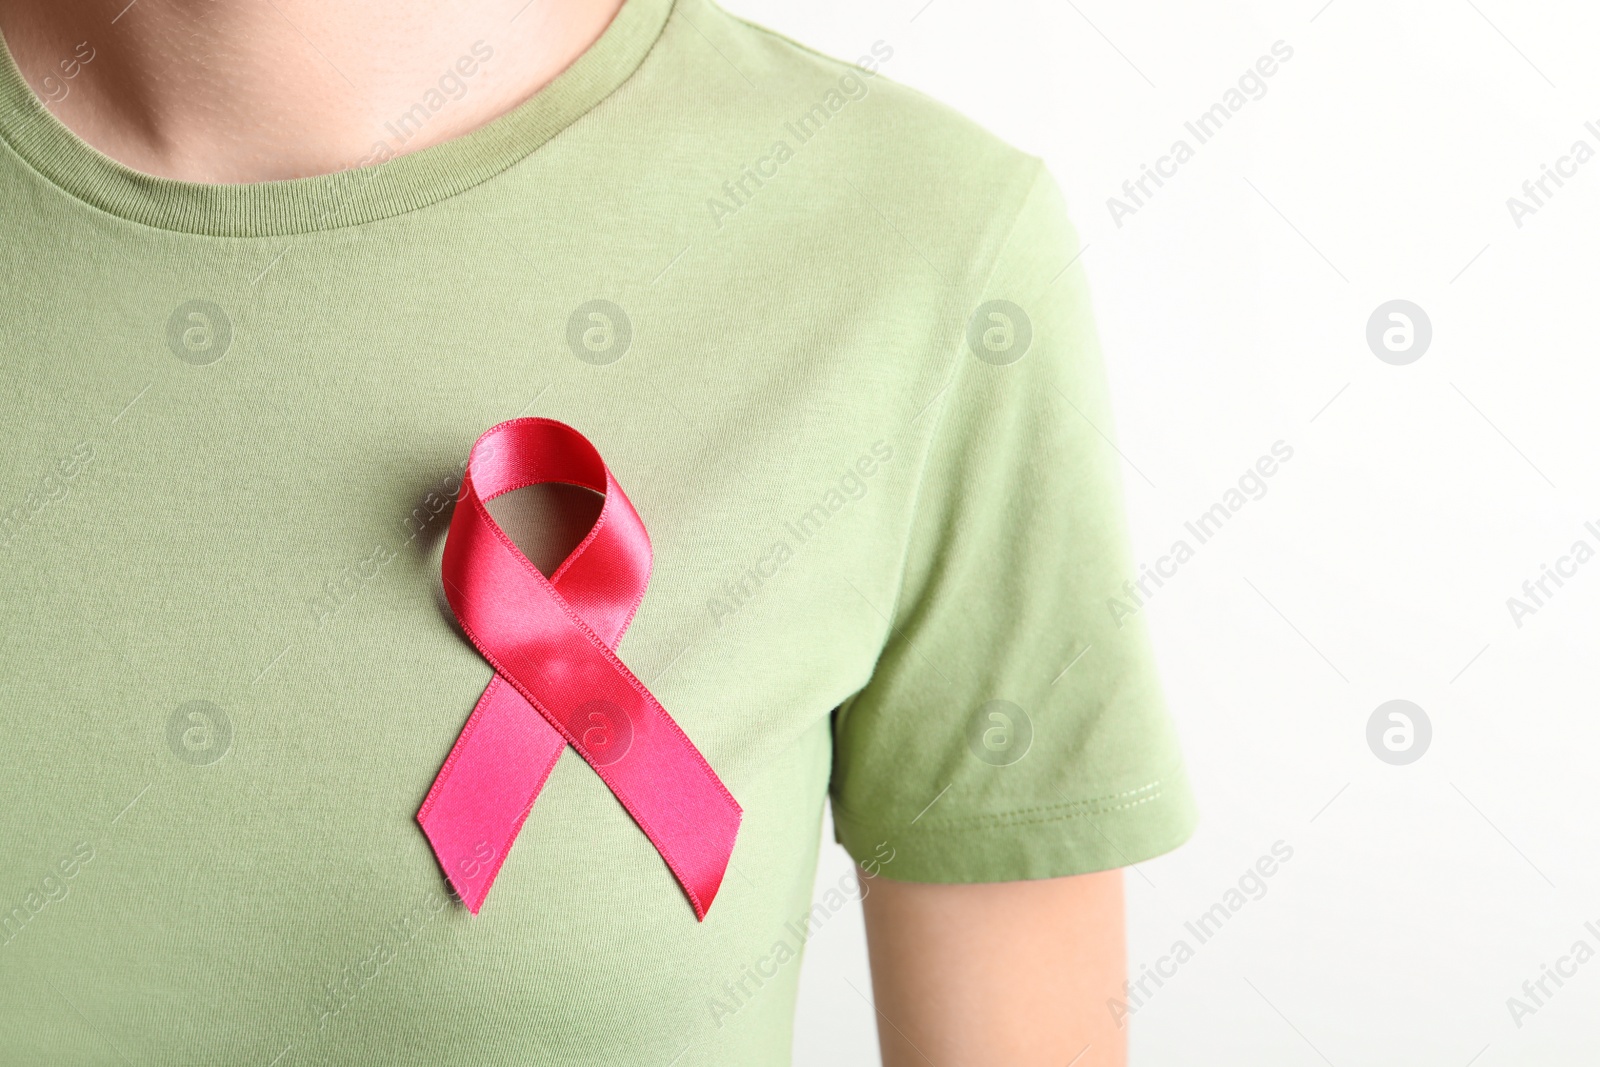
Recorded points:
(558, 680)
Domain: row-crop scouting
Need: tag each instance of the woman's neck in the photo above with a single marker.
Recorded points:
(260, 91)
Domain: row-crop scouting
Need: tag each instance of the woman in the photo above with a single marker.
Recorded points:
(805, 353)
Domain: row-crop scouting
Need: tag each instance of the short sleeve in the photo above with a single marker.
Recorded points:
(1014, 725)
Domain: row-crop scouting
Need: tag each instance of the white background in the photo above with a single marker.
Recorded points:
(1233, 308)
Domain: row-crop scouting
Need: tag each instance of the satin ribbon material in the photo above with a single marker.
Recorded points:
(558, 680)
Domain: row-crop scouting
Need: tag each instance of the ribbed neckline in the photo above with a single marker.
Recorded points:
(327, 201)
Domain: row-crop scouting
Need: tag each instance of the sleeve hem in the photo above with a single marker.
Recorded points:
(1079, 837)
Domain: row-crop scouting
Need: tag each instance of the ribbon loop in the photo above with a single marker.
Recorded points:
(558, 680)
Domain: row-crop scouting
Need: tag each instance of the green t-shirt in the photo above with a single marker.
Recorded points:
(832, 341)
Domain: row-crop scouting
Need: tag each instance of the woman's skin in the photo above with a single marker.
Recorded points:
(1012, 974)
(248, 92)
(1008, 973)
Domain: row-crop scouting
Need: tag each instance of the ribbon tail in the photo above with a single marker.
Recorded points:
(659, 777)
(487, 786)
